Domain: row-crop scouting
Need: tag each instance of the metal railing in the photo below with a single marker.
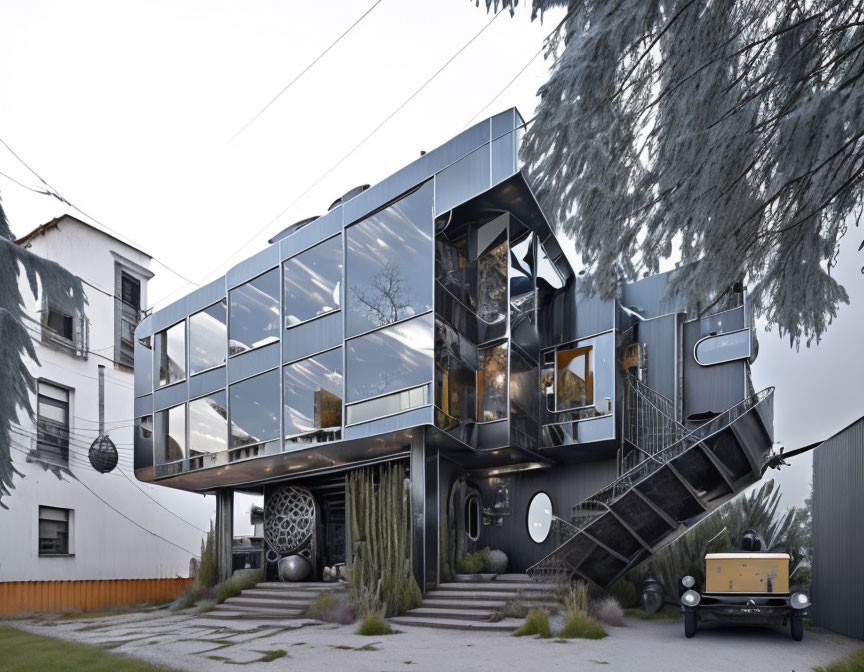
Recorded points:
(593, 506)
(650, 423)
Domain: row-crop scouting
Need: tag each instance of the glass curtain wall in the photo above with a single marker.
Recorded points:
(171, 434)
(389, 263)
(253, 320)
(207, 337)
(170, 355)
(313, 399)
(313, 282)
(208, 425)
(254, 410)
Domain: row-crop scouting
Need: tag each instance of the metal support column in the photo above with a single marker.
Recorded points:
(224, 531)
(424, 512)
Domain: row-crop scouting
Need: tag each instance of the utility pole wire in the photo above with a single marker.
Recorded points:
(302, 72)
(352, 150)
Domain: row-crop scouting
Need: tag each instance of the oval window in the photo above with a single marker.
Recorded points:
(472, 517)
(540, 517)
(722, 348)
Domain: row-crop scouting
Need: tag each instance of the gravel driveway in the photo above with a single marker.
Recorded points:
(188, 642)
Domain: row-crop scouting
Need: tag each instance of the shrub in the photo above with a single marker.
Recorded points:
(609, 611)
(189, 597)
(237, 584)
(205, 606)
(331, 607)
(494, 560)
(536, 623)
(581, 626)
(207, 574)
(576, 599)
(854, 662)
(373, 625)
(470, 564)
(625, 592)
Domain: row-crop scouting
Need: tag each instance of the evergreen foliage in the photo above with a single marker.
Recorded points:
(730, 133)
(208, 569)
(381, 534)
(60, 289)
(722, 532)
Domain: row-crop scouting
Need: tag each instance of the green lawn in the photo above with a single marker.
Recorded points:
(24, 652)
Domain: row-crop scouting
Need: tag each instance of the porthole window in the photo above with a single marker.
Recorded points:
(472, 517)
(539, 517)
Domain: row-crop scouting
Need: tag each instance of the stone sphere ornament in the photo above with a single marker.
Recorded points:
(294, 568)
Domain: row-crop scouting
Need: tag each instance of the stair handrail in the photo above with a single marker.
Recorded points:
(607, 495)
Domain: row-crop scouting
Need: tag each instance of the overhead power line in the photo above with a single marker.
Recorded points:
(304, 71)
(53, 193)
(353, 149)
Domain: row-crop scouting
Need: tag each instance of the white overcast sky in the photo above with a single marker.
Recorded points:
(127, 109)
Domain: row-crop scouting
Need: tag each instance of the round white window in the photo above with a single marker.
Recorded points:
(540, 517)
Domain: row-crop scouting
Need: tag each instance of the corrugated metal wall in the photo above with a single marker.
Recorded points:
(838, 532)
(19, 597)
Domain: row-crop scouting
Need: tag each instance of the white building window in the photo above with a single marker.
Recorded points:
(52, 424)
(54, 531)
(127, 314)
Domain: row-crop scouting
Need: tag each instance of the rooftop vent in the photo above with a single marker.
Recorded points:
(348, 195)
(296, 226)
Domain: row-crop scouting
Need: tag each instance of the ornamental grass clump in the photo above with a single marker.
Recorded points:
(374, 625)
(331, 607)
(581, 626)
(609, 611)
(536, 623)
(472, 563)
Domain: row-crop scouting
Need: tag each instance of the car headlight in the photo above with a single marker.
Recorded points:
(799, 601)
(690, 598)
(688, 581)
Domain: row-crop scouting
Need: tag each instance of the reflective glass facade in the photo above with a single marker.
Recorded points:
(207, 336)
(254, 410)
(313, 398)
(208, 425)
(389, 263)
(254, 313)
(313, 282)
(170, 355)
(171, 434)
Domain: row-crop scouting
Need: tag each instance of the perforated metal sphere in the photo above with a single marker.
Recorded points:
(103, 454)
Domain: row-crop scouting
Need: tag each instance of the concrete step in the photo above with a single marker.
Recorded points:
(275, 605)
(451, 614)
(230, 614)
(494, 586)
(311, 586)
(481, 595)
(453, 624)
(291, 596)
(486, 605)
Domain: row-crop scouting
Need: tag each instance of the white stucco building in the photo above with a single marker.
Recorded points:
(66, 521)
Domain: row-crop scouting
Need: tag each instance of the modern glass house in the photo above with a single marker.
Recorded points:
(433, 318)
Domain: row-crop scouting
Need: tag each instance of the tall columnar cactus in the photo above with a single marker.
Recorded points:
(380, 528)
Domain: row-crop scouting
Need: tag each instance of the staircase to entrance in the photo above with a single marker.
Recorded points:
(273, 600)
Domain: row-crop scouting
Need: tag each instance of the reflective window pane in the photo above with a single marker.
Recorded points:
(388, 404)
(492, 271)
(313, 398)
(143, 442)
(390, 359)
(207, 337)
(723, 348)
(575, 383)
(313, 282)
(390, 258)
(170, 354)
(208, 425)
(546, 272)
(254, 316)
(492, 384)
(455, 379)
(255, 409)
(171, 434)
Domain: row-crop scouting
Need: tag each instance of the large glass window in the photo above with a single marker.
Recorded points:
(208, 425)
(455, 380)
(575, 378)
(390, 259)
(492, 383)
(313, 282)
(255, 410)
(492, 271)
(207, 337)
(254, 317)
(170, 354)
(52, 425)
(171, 434)
(54, 530)
(313, 398)
(391, 359)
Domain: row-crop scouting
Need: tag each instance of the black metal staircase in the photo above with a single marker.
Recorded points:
(676, 484)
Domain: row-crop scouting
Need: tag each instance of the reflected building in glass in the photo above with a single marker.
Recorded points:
(431, 318)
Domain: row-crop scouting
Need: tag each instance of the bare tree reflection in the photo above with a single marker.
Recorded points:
(386, 300)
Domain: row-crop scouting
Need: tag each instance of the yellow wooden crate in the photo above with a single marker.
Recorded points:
(747, 573)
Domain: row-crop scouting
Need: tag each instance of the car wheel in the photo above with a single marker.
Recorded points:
(797, 627)
(689, 623)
